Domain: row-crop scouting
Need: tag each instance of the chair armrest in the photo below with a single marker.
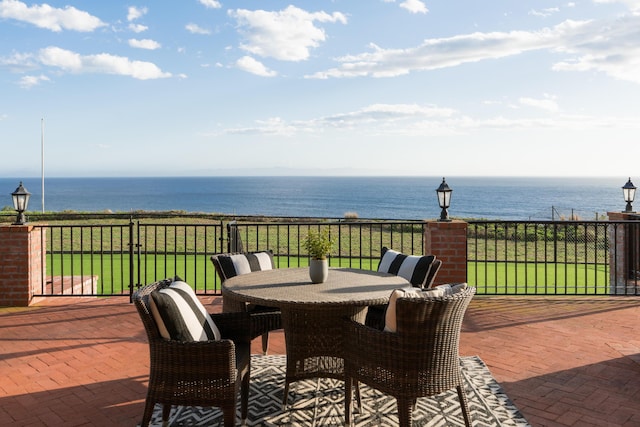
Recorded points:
(194, 361)
(235, 326)
(364, 345)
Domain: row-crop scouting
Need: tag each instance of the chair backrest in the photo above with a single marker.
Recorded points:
(432, 325)
(418, 270)
(232, 264)
(141, 301)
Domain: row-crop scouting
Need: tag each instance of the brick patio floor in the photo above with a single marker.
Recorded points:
(565, 361)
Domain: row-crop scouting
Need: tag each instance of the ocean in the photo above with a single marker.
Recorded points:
(506, 198)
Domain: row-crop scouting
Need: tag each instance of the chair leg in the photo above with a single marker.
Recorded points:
(465, 406)
(347, 400)
(265, 343)
(166, 411)
(358, 399)
(148, 412)
(285, 397)
(405, 407)
(229, 415)
(244, 397)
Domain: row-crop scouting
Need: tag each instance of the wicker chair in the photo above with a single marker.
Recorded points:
(375, 314)
(419, 360)
(204, 373)
(263, 319)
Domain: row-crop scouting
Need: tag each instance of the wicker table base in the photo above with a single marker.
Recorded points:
(312, 314)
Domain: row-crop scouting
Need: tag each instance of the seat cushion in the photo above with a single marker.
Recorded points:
(414, 268)
(180, 315)
(237, 264)
(390, 320)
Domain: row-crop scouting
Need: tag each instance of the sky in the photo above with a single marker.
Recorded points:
(343, 87)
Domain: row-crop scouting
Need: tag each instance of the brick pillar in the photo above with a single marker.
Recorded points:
(21, 264)
(448, 242)
(619, 280)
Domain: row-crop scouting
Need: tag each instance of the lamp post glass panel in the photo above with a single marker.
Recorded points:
(629, 193)
(20, 203)
(444, 200)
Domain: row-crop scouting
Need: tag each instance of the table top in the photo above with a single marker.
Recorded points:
(291, 286)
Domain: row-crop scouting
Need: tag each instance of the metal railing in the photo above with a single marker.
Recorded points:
(551, 257)
(504, 257)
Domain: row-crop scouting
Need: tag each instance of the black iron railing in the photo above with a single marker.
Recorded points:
(116, 256)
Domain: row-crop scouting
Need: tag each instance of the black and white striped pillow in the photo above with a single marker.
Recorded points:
(180, 315)
(237, 264)
(414, 268)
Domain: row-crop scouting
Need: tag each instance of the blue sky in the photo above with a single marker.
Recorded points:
(344, 87)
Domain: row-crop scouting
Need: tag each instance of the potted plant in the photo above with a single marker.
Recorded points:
(319, 245)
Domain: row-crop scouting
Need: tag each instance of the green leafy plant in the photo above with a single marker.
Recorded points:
(319, 244)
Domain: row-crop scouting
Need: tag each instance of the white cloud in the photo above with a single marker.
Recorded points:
(250, 65)
(138, 28)
(210, 4)
(414, 6)
(196, 29)
(19, 62)
(424, 121)
(136, 13)
(271, 126)
(30, 81)
(286, 35)
(633, 5)
(144, 44)
(544, 12)
(609, 47)
(45, 16)
(548, 103)
(101, 63)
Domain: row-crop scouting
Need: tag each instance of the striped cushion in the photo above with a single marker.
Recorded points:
(411, 267)
(180, 315)
(237, 264)
(390, 319)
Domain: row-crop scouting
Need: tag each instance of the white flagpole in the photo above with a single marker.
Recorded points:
(42, 157)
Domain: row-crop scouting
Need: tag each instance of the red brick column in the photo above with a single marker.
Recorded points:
(619, 281)
(21, 264)
(448, 242)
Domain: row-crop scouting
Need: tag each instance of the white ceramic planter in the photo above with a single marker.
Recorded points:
(318, 270)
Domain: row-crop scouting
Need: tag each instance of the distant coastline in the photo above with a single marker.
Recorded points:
(509, 198)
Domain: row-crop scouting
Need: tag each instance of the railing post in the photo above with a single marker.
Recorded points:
(623, 278)
(132, 244)
(447, 240)
(21, 264)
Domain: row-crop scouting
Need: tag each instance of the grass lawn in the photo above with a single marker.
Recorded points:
(492, 278)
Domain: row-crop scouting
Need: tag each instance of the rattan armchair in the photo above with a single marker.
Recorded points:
(263, 319)
(201, 373)
(419, 360)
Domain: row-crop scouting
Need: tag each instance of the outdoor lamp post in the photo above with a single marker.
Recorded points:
(20, 202)
(629, 193)
(444, 200)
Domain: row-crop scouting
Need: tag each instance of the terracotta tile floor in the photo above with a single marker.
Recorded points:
(570, 361)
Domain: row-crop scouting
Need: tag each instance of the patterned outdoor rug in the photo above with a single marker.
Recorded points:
(320, 402)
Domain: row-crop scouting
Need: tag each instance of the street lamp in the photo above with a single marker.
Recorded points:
(444, 200)
(20, 202)
(629, 193)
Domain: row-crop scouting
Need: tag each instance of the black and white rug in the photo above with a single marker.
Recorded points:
(320, 402)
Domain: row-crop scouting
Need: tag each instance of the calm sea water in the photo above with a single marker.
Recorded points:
(369, 197)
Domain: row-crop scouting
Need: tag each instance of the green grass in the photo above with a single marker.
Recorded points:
(535, 278)
(489, 278)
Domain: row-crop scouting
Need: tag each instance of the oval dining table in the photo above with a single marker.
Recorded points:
(312, 313)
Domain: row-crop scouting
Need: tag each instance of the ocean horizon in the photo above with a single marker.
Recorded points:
(506, 198)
